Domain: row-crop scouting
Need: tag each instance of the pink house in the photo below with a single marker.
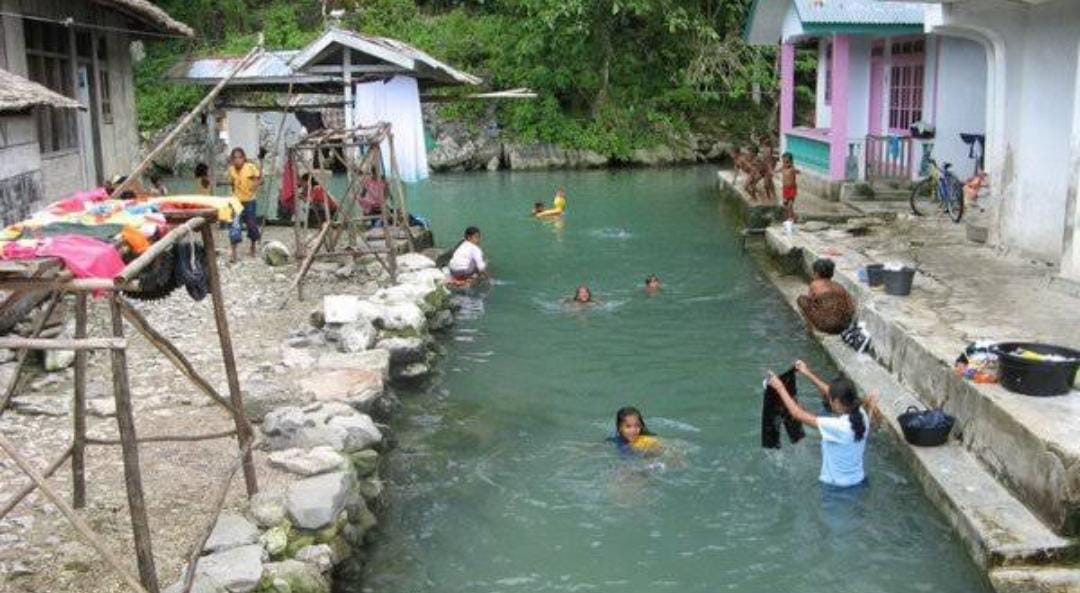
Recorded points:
(880, 110)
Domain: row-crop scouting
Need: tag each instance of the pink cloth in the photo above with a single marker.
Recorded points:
(374, 195)
(77, 201)
(86, 257)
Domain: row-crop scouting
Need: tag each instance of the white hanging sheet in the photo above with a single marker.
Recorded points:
(396, 102)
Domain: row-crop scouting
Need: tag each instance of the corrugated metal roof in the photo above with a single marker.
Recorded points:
(269, 67)
(859, 12)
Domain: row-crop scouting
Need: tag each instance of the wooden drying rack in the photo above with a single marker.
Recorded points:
(34, 276)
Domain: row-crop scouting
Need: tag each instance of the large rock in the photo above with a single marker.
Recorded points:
(275, 253)
(412, 262)
(58, 360)
(314, 503)
(231, 531)
(308, 462)
(430, 278)
(237, 570)
(403, 317)
(321, 556)
(330, 424)
(403, 350)
(262, 395)
(440, 320)
(356, 336)
(357, 388)
(294, 576)
(372, 360)
(267, 508)
(347, 308)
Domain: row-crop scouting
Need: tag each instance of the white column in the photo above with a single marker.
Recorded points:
(346, 74)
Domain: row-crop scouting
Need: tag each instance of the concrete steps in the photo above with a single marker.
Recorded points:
(997, 529)
(1028, 579)
(1031, 445)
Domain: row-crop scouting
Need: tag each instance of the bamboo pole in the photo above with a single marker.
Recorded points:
(71, 516)
(20, 358)
(66, 285)
(147, 257)
(399, 189)
(166, 438)
(305, 266)
(25, 491)
(64, 343)
(78, 443)
(171, 352)
(125, 421)
(244, 432)
(186, 121)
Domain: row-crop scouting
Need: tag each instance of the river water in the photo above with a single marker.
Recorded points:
(501, 480)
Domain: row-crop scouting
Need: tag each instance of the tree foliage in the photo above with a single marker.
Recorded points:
(611, 75)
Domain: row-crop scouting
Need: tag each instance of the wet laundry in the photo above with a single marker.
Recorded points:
(773, 413)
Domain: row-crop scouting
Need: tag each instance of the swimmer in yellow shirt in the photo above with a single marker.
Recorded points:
(631, 434)
(558, 206)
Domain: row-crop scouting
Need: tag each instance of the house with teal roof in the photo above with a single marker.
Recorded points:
(879, 108)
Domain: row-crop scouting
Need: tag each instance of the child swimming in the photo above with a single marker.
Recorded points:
(631, 434)
(538, 207)
(558, 206)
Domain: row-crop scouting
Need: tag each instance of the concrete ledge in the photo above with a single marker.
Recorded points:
(1032, 445)
(1036, 580)
(997, 529)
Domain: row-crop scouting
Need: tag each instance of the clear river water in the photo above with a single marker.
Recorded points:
(501, 480)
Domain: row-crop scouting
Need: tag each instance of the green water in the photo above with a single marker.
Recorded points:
(501, 480)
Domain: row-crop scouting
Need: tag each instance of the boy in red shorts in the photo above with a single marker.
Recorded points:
(789, 181)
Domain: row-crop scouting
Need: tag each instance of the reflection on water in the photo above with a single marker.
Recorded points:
(502, 479)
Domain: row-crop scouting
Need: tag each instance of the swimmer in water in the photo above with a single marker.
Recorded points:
(652, 284)
(558, 206)
(538, 207)
(583, 296)
(631, 434)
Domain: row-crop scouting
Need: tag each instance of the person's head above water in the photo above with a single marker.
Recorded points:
(630, 424)
(538, 207)
(472, 234)
(823, 269)
(652, 283)
(583, 294)
(843, 399)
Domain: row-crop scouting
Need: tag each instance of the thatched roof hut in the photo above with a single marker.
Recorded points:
(18, 94)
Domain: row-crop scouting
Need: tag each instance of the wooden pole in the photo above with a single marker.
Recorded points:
(219, 502)
(71, 516)
(399, 189)
(64, 343)
(299, 280)
(243, 428)
(20, 358)
(171, 352)
(27, 489)
(78, 444)
(388, 234)
(125, 421)
(168, 438)
(211, 144)
(186, 121)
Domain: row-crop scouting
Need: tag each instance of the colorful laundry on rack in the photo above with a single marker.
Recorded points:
(226, 207)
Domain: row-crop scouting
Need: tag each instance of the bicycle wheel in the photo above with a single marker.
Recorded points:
(954, 202)
(923, 197)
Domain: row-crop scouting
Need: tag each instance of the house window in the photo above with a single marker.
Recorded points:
(828, 74)
(103, 82)
(48, 62)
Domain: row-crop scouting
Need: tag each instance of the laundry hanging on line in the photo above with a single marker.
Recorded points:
(396, 102)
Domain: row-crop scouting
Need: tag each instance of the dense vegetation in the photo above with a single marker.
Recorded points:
(611, 75)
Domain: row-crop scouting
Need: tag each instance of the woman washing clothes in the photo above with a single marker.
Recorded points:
(844, 432)
(827, 306)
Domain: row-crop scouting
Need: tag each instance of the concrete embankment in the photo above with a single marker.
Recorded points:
(321, 410)
(1008, 481)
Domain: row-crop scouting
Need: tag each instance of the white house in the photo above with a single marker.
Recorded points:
(1032, 50)
(878, 73)
(81, 49)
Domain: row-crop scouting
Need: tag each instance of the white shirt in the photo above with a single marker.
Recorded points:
(467, 259)
(841, 454)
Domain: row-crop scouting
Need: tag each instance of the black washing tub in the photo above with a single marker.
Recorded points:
(1032, 376)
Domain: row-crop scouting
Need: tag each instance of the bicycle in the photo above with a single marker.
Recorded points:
(941, 190)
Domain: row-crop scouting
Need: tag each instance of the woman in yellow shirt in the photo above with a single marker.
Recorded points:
(245, 180)
(557, 207)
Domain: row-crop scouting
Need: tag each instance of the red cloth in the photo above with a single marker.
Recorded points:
(374, 195)
(287, 199)
(319, 195)
(77, 201)
(86, 257)
(790, 191)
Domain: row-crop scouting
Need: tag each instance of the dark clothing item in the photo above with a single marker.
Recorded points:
(773, 413)
(247, 219)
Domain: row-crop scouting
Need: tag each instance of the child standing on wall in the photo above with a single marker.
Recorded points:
(790, 185)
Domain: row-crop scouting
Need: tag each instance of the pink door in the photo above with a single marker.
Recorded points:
(877, 95)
